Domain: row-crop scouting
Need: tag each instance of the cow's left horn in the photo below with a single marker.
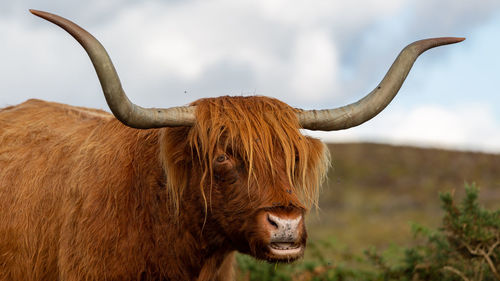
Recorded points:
(368, 107)
(124, 110)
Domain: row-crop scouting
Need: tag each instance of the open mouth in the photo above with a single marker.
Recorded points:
(285, 248)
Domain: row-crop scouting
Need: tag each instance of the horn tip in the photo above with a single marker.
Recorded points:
(37, 12)
(448, 40)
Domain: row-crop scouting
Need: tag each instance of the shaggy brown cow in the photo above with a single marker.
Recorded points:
(85, 197)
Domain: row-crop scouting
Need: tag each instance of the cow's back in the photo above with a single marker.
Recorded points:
(82, 197)
(39, 144)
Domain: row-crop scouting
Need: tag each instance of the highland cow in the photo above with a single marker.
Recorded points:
(163, 194)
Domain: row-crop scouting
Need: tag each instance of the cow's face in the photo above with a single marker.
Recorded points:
(256, 173)
(262, 216)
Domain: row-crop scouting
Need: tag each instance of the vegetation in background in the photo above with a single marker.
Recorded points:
(374, 190)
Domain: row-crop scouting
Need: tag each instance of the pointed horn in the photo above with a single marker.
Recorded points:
(124, 110)
(372, 104)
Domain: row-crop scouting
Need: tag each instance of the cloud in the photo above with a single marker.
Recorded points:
(308, 53)
(450, 15)
(31, 69)
(314, 66)
(292, 51)
(304, 52)
(466, 127)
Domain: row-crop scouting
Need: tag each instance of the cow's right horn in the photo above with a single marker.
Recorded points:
(124, 110)
(368, 107)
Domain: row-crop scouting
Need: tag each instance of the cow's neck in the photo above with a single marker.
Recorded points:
(187, 247)
(214, 254)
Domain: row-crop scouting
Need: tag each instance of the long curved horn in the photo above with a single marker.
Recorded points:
(124, 110)
(372, 104)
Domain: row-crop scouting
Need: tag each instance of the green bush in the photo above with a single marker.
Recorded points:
(466, 247)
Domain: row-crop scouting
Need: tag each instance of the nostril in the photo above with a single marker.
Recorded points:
(272, 222)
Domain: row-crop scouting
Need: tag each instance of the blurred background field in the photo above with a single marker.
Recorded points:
(375, 191)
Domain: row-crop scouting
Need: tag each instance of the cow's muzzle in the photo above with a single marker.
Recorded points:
(286, 236)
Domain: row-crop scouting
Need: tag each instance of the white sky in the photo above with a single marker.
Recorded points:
(308, 53)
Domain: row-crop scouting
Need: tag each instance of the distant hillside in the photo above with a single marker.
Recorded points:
(411, 170)
(373, 190)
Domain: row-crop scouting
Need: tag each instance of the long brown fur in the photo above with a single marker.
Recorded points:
(83, 197)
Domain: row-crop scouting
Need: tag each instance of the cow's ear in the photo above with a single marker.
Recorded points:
(175, 147)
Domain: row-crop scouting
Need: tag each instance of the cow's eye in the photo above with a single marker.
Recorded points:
(221, 158)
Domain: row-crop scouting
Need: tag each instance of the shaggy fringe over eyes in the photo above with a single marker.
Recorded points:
(259, 130)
